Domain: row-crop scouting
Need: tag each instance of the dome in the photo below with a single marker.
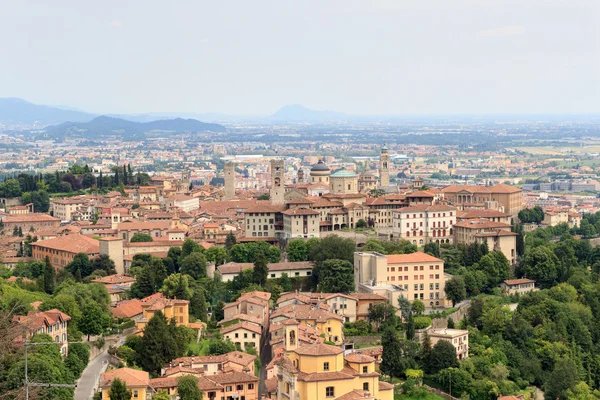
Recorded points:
(343, 173)
(320, 166)
(384, 149)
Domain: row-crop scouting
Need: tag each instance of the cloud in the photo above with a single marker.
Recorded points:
(203, 40)
(115, 23)
(505, 31)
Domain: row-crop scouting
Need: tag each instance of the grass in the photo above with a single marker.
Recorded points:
(200, 348)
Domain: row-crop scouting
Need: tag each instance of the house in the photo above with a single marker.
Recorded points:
(518, 286)
(230, 270)
(244, 334)
(53, 322)
(457, 337)
(211, 365)
(171, 308)
(137, 381)
(498, 236)
(131, 309)
(230, 385)
(255, 304)
(61, 250)
(116, 285)
(422, 224)
(30, 221)
(326, 322)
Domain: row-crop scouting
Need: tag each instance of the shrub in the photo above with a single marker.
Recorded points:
(422, 322)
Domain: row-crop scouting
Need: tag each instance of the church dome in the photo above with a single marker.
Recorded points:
(320, 167)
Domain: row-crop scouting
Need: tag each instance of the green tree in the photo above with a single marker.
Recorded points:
(194, 265)
(391, 354)
(336, 276)
(230, 240)
(297, 250)
(104, 263)
(190, 246)
(374, 245)
(432, 248)
(540, 264)
(198, 305)
(158, 345)
(216, 255)
(441, 356)
(285, 282)
(260, 271)
(264, 196)
(563, 378)
(141, 237)
(417, 307)
(150, 279)
(455, 289)
(118, 390)
(455, 380)
(187, 388)
(49, 277)
(177, 286)
(332, 247)
(81, 265)
(361, 223)
(410, 327)
(94, 320)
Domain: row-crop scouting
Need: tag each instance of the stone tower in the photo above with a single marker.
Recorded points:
(113, 248)
(277, 182)
(384, 167)
(229, 175)
(300, 175)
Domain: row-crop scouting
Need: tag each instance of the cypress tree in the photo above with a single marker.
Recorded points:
(49, 276)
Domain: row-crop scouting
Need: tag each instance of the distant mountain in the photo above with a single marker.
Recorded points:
(14, 111)
(110, 126)
(298, 113)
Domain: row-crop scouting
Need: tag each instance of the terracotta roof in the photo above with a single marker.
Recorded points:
(355, 395)
(242, 325)
(30, 217)
(319, 349)
(127, 308)
(114, 279)
(426, 208)
(178, 370)
(481, 223)
(271, 384)
(36, 319)
(359, 358)
(290, 265)
(71, 244)
(470, 214)
(300, 211)
(265, 208)
(512, 282)
(412, 258)
(131, 377)
(242, 317)
(385, 386)
(162, 383)
(420, 193)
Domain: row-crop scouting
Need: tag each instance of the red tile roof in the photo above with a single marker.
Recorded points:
(412, 258)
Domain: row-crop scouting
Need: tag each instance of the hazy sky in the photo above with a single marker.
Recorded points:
(253, 56)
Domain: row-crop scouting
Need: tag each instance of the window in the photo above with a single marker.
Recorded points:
(366, 386)
(251, 386)
(325, 366)
(228, 388)
(416, 286)
(245, 336)
(240, 387)
(329, 391)
(50, 329)
(272, 275)
(237, 335)
(365, 369)
(135, 393)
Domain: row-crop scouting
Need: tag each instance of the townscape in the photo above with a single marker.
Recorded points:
(300, 200)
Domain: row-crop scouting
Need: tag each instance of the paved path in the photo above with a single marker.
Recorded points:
(265, 359)
(89, 378)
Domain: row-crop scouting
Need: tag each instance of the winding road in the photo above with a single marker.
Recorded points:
(89, 378)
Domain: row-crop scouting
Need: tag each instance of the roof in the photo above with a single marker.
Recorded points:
(70, 243)
(37, 319)
(242, 325)
(30, 217)
(481, 223)
(446, 332)
(114, 279)
(318, 349)
(470, 214)
(426, 208)
(127, 308)
(131, 377)
(343, 173)
(355, 395)
(320, 166)
(421, 193)
(359, 358)
(412, 258)
(512, 282)
(300, 211)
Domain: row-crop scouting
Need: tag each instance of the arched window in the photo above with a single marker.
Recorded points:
(292, 338)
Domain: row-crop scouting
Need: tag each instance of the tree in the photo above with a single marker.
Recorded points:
(216, 255)
(158, 346)
(564, 377)
(540, 264)
(410, 327)
(391, 354)
(441, 356)
(297, 250)
(455, 380)
(177, 286)
(331, 247)
(336, 276)
(361, 223)
(150, 279)
(383, 314)
(230, 240)
(49, 276)
(141, 237)
(260, 271)
(417, 307)
(81, 265)
(194, 265)
(190, 246)
(187, 388)
(264, 196)
(198, 305)
(432, 248)
(285, 282)
(104, 263)
(496, 267)
(455, 289)
(118, 390)
(161, 394)
(94, 320)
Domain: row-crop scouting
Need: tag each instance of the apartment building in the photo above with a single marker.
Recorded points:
(230, 270)
(137, 381)
(422, 224)
(29, 222)
(64, 209)
(508, 197)
(61, 250)
(498, 236)
(53, 322)
(457, 337)
(171, 308)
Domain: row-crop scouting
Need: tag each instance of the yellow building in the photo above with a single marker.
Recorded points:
(137, 381)
(320, 371)
(171, 308)
(326, 322)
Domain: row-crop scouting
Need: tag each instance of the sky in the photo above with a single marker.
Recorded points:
(251, 57)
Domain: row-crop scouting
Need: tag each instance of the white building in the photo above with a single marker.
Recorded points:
(421, 224)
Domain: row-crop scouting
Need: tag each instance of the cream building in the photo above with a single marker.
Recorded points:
(457, 337)
(498, 236)
(244, 334)
(343, 182)
(422, 224)
(301, 223)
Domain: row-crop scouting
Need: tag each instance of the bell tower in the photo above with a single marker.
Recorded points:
(384, 167)
(277, 182)
(229, 176)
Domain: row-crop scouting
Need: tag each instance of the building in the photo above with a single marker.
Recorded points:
(320, 371)
(518, 286)
(244, 334)
(229, 178)
(343, 181)
(384, 167)
(64, 209)
(29, 222)
(224, 386)
(412, 276)
(171, 308)
(329, 324)
(137, 381)
(116, 285)
(319, 173)
(113, 248)
(457, 337)
(498, 236)
(61, 250)
(263, 221)
(463, 196)
(291, 268)
(422, 224)
(277, 182)
(53, 323)
(301, 223)
(212, 365)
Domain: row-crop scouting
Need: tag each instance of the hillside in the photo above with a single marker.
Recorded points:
(14, 111)
(109, 126)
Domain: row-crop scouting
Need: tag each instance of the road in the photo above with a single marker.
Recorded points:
(265, 359)
(89, 377)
